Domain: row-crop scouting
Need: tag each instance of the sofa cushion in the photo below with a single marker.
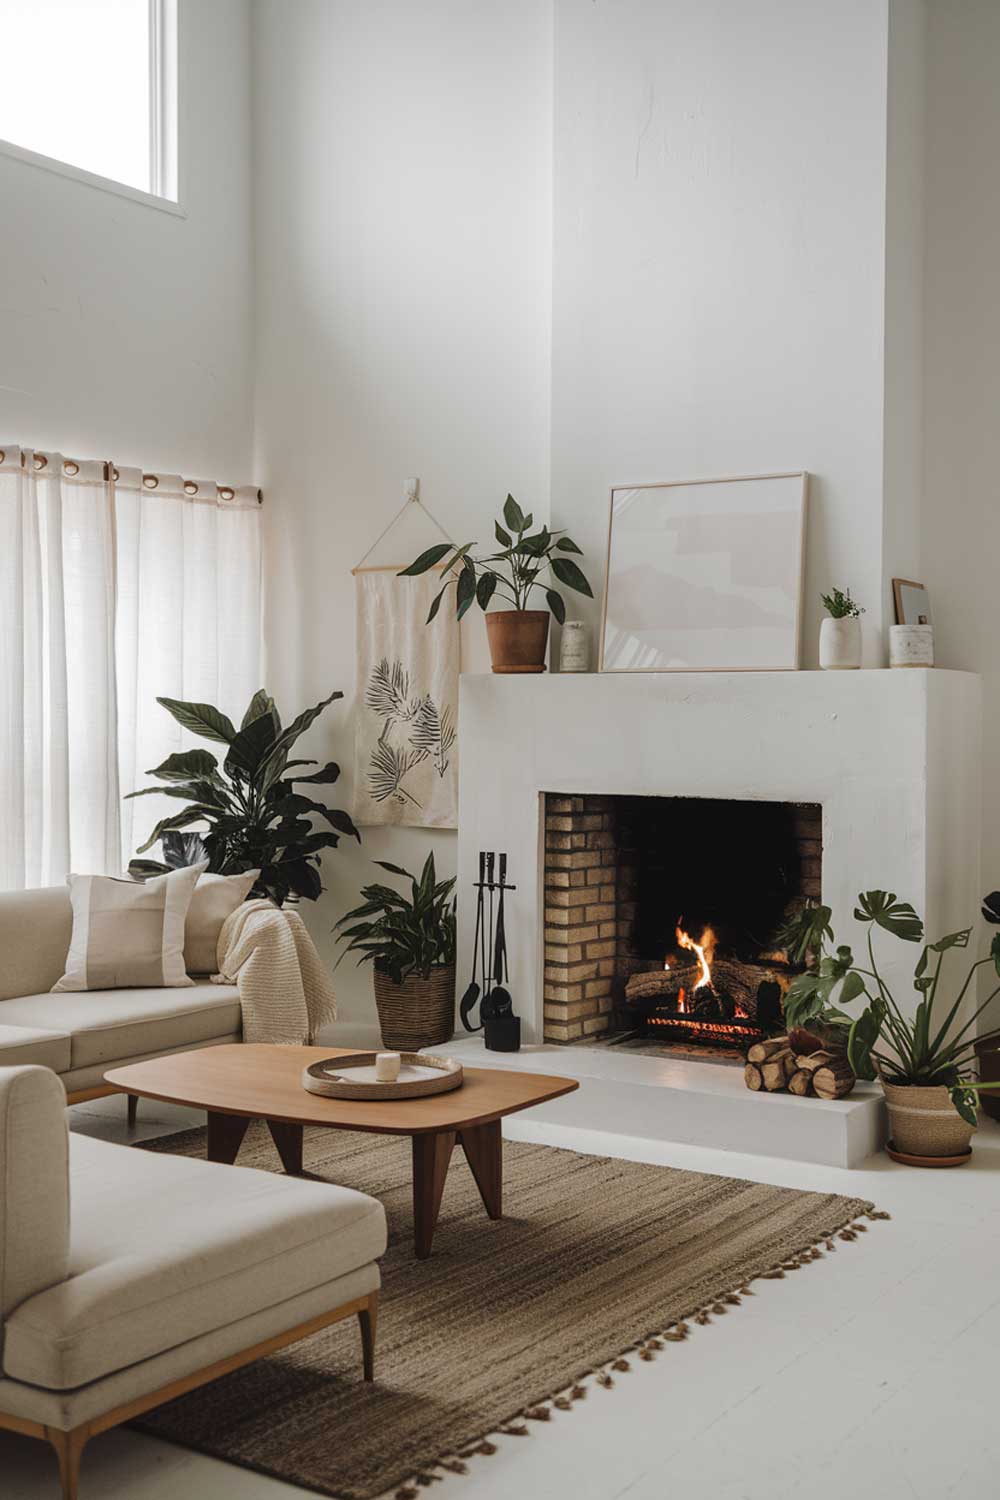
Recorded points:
(35, 929)
(164, 1249)
(215, 898)
(26, 1044)
(128, 933)
(107, 1026)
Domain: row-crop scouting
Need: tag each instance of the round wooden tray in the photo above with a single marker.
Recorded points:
(428, 1075)
(927, 1161)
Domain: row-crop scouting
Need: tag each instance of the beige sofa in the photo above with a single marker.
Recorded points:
(80, 1035)
(127, 1277)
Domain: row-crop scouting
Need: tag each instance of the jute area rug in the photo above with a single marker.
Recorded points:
(597, 1262)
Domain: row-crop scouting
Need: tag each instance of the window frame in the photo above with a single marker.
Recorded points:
(164, 126)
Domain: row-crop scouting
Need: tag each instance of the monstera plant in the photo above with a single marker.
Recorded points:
(255, 816)
(924, 1053)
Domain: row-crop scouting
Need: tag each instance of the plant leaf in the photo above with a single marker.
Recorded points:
(965, 1100)
(176, 820)
(565, 545)
(513, 515)
(991, 908)
(503, 537)
(426, 560)
(953, 940)
(466, 593)
(569, 574)
(252, 746)
(862, 1038)
(326, 777)
(436, 603)
(201, 719)
(897, 917)
(556, 604)
(185, 765)
(260, 703)
(485, 589)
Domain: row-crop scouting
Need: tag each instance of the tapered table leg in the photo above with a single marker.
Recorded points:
(288, 1140)
(483, 1147)
(431, 1155)
(225, 1136)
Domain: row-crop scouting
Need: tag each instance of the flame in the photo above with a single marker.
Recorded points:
(681, 1005)
(705, 950)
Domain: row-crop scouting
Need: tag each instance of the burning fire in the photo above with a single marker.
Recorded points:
(705, 951)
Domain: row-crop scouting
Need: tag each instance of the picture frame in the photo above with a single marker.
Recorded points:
(705, 575)
(912, 601)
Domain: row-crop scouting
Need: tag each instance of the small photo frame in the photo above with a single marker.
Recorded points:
(913, 604)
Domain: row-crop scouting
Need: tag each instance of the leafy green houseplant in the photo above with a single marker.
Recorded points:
(410, 941)
(253, 816)
(840, 632)
(526, 561)
(924, 1059)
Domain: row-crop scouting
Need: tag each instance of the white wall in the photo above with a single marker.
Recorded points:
(961, 519)
(718, 263)
(127, 331)
(403, 237)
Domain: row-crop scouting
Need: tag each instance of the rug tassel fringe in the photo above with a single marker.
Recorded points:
(647, 1349)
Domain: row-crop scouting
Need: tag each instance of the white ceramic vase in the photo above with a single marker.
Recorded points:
(840, 644)
(911, 646)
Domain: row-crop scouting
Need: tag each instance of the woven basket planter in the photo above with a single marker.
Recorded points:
(417, 1013)
(924, 1122)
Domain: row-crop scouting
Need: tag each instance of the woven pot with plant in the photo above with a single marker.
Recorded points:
(411, 944)
(924, 1061)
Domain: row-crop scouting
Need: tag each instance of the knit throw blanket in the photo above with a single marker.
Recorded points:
(286, 993)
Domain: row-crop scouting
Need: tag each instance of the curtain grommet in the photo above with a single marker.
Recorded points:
(69, 467)
(41, 461)
(190, 488)
(150, 481)
(225, 493)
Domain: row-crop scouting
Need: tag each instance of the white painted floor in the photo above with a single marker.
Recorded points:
(871, 1373)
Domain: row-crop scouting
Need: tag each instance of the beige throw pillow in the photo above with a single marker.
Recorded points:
(215, 898)
(127, 935)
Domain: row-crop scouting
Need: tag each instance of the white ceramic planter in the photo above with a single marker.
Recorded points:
(840, 644)
(911, 646)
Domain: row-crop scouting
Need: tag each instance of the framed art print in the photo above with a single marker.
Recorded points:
(705, 575)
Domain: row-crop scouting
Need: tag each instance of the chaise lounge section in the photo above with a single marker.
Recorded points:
(130, 1277)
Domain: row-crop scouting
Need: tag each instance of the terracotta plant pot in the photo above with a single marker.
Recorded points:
(418, 1012)
(924, 1122)
(518, 639)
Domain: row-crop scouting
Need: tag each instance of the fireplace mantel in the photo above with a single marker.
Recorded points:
(893, 758)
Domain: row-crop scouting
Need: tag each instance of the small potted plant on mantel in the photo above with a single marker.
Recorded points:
(411, 943)
(840, 632)
(924, 1061)
(518, 636)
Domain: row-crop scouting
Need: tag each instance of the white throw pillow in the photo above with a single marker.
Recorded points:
(127, 935)
(215, 898)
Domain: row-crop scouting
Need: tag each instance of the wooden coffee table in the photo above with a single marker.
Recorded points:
(241, 1082)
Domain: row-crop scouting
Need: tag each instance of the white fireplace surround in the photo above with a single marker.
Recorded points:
(893, 757)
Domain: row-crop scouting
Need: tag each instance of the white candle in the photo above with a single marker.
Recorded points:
(386, 1067)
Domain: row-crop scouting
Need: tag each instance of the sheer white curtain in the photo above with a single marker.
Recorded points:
(115, 587)
(58, 749)
(189, 621)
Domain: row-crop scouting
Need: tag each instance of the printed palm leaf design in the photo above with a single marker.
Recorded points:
(433, 733)
(388, 693)
(387, 770)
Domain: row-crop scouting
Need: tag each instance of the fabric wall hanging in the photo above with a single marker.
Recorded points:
(406, 709)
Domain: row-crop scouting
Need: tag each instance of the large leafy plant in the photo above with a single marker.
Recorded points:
(255, 817)
(512, 573)
(405, 935)
(883, 1041)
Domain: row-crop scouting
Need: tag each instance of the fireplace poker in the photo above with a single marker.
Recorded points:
(471, 995)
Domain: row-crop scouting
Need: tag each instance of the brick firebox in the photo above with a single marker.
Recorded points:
(590, 901)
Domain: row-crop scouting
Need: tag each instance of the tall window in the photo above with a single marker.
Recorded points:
(92, 84)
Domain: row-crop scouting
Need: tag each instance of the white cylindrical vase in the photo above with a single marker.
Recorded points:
(574, 649)
(911, 646)
(840, 644)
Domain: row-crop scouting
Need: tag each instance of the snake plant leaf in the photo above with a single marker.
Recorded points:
(425, 561)
(897, 917)
(571, 575)
(384, 864)
(201, 719)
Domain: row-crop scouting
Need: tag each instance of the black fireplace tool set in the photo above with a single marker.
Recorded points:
(501, 1028)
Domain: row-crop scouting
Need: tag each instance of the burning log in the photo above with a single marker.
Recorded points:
(666, 982)
(736, 978)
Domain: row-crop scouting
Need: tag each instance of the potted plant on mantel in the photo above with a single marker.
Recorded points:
(923, 1061)
(519, 636)
(840, 632)
(411, 944)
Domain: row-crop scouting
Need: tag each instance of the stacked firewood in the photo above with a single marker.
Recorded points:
(800, 1063)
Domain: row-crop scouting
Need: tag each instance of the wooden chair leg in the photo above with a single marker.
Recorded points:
(69, 1448)
(368, 1318)
(133, 1109)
